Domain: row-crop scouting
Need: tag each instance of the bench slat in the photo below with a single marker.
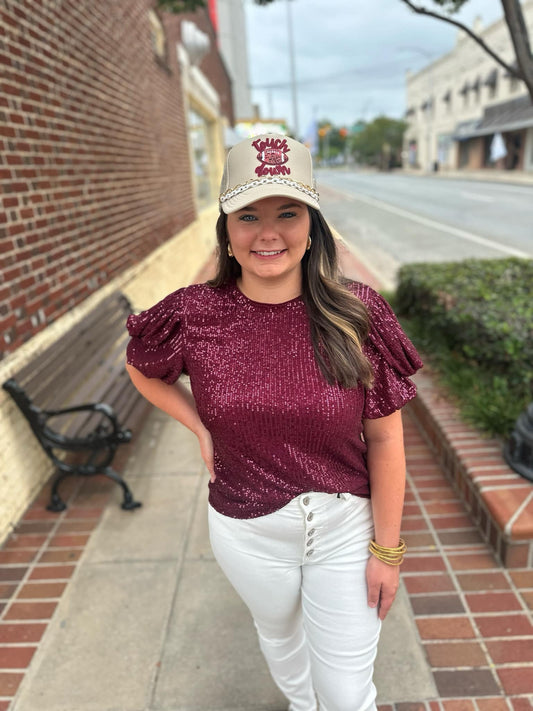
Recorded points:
(76, 358)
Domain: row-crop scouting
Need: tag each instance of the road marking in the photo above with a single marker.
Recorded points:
(476, 196)
(462, 234)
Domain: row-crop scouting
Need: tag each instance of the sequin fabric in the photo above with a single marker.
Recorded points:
(278, 428)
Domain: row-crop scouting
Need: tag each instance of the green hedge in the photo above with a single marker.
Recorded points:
(475, 320)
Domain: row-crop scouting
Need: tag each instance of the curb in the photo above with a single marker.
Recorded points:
(498, 500)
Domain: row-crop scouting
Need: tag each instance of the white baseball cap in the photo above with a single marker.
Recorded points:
(264, 166)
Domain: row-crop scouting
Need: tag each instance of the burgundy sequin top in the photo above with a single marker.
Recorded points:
(278, 428)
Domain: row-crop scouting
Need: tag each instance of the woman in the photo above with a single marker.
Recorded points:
(297, 383)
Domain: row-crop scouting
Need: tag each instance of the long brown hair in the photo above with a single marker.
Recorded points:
(339, 321)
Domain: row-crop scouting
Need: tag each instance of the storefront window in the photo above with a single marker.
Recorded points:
(444, 147)
(412, 153)
(199, 138)
(464, 154)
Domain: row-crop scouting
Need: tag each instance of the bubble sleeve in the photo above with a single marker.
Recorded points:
(155, 347)
(393, 358)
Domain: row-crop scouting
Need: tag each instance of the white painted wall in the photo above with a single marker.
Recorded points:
(233, 47)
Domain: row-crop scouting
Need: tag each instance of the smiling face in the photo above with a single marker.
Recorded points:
(268, 239)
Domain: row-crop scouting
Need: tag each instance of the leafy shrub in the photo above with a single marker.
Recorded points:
(474, 319)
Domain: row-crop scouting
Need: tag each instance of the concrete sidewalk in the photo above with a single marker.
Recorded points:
(484, 175)
(487, 175)
(149, 622)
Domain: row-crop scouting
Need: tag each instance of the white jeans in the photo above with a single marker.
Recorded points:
(301, 572)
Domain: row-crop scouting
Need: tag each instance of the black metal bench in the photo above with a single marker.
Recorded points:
(85, 365)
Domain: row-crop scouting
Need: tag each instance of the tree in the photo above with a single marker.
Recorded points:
(512, 10)
(331, 142)
(379, 143)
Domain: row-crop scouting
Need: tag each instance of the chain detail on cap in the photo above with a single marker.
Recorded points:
(310, 192)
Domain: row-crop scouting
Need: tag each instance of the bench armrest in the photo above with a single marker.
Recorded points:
(101, 407)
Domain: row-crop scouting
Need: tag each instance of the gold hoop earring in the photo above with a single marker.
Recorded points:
(230, 253)
(308, 243)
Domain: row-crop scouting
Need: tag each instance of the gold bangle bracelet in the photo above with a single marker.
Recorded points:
(398, 550)
(391, 556)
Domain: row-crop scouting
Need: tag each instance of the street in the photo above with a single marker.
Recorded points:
(390, 219)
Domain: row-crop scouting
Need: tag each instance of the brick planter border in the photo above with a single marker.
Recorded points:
(499, 501)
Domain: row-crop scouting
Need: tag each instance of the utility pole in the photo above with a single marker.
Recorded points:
(295, 127)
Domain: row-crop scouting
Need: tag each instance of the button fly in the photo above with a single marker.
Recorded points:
(309, 553)
(310, 516)
(311, 532)
(305, 500)
(310, 542)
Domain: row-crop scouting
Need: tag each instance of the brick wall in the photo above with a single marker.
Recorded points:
(94, 167)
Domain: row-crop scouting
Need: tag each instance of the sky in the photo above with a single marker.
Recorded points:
(350, 56)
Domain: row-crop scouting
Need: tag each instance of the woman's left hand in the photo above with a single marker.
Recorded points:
(382, 582)
(206, 451)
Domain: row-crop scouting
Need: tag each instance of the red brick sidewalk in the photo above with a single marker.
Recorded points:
(473, 615)
(36, 564)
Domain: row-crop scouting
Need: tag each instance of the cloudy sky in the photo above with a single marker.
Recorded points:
(350, 55)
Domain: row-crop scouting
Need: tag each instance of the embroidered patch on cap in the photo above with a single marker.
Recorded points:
(272, 154)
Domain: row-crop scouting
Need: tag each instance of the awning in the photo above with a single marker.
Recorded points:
(466, 129)
(511, 115)
(508, 116)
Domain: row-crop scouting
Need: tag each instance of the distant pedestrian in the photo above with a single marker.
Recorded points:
(297, 382)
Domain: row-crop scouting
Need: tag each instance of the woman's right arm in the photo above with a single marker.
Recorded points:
(177, 401)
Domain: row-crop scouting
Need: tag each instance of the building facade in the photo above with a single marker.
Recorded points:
(112, 126)
(231, 29)
(465, 112)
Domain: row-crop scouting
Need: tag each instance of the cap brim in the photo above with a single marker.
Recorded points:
(259, 192)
